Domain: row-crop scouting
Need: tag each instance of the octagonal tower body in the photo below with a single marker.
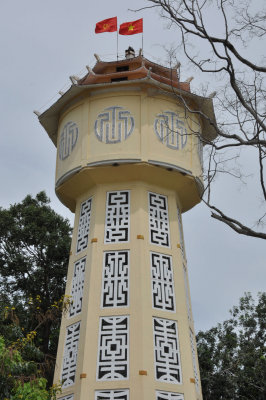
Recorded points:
(129, 163)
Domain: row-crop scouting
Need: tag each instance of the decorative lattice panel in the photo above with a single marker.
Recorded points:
(166, 351)
(68, 139)
(200, 150)
(113, 352)
(170, 130)
(114, 125)
(181, 235)
(84, 225)
(117, 217)
(68, 397)
(115, 282)
(159, 220)
(77, 287)
(189, 311)
(119, 394)
(194, 358)
(169, 396)
(162, 280)
(70, 355)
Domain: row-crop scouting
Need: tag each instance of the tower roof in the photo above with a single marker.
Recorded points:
(130, 71)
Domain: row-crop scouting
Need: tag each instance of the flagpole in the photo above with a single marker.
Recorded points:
(117, 45)
(142, 38)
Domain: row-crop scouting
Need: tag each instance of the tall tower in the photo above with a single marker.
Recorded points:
(128, 164)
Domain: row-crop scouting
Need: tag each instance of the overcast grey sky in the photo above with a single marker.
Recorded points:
(42, 44)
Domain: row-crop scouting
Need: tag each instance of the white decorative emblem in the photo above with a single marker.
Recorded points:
(194, 359)
(113, 352)
(70, 355)
(162, 281)
(189, 311)
(77, 287)
(119, 394)
(114, 125)
(84, 225)
(69, 397)
(166, 351)
(115, 283)
(181, 234)
(68, 139)
(159, 220)
(169, 396)
(117, 217)
(170, 130)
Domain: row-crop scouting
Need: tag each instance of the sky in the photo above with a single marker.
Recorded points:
(42, 44)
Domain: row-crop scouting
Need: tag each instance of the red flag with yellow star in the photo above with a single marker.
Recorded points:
(131, 28)
(107, 25)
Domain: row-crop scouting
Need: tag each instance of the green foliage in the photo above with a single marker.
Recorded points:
(35, 390)
(232, 355)
(19, 379)
(34, 251)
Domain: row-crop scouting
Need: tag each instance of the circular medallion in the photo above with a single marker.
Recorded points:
(114, 125)
(68, 139)
(170, 130)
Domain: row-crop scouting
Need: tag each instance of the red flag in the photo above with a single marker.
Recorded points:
(131, 28)
(107, 25)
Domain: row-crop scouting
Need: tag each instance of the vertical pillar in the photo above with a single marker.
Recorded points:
(129, 331)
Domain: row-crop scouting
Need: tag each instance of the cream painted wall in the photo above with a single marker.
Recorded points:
(142, 144)
(138, 157)
(140, 310)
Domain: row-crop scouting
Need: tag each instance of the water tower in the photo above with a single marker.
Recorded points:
(129, 163)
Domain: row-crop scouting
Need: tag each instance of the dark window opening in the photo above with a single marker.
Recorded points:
(123, 68)
(124, 78)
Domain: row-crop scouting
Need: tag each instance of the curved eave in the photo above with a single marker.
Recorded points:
(100, 66)
(49, 119)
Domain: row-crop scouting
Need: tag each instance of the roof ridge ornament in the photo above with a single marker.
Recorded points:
(74, 79)
(97, 57)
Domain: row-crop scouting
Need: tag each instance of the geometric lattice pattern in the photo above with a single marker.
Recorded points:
(170, 130)
(69, 397)
(169, 396)
(159, 220)
(84, 225)
(68, 139)
(189, 311)
(181, 235)
(192, 342)
(113, 351)
(200, 150)
(114, 125)
(166, 351)
(119, 394)
(163, 293)
(115, 283)
(117, 217)
(77, 287)
(70, 355)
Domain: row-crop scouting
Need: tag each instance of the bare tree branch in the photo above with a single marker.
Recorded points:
(234, 224)
(241, 101)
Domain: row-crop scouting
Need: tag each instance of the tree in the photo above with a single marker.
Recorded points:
(232, 355)
(14, 371)
(34, 252)
(228, 52)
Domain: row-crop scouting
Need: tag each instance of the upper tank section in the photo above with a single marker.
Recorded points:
(128, 112)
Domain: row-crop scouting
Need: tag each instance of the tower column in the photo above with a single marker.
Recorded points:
(129, 163)
(130, 299)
